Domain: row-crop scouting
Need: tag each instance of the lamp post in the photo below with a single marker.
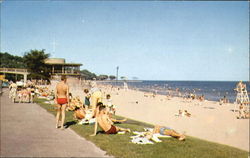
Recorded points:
(117, 69)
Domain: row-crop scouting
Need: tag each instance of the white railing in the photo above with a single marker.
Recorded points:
(13, 70)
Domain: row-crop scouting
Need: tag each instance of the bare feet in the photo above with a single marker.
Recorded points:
(182, 138)
(128, 130)
(62, 128)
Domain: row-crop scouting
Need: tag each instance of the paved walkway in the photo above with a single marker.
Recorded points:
(27, 130)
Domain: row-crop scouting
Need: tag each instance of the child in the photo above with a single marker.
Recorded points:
(241, 111)
(111, 107)
(70, 97)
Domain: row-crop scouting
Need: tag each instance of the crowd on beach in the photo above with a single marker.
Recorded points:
(97, 108)
(25, 92)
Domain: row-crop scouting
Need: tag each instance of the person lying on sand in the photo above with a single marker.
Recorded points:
(180, 113)
(166, 131)
(106, 123)
(183, 113)
(187, 113)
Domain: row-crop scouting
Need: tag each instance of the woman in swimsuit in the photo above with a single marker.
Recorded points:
(163, 130)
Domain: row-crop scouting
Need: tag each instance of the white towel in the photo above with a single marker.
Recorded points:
(139, 137)
(141, 140)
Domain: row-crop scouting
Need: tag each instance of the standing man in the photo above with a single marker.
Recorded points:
(61, 99)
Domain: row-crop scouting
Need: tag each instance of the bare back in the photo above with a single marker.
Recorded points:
(104, 122)
(62, 90)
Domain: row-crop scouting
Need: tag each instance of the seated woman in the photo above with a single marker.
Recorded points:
(166, 131)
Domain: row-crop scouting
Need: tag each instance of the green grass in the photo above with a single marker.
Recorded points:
(121, 146)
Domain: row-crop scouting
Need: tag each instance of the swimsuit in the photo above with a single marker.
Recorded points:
(112, 130)
(86, 101)
(162, 130)
(62, 101)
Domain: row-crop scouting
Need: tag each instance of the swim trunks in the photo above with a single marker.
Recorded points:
(62, 101)
(112, 130)
(162, 130)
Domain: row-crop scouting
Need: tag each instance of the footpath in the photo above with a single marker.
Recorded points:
(27, 130)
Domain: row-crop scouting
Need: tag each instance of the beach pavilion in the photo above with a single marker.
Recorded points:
(59, 67)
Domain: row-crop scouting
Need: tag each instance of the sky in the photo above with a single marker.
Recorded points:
(150, 40)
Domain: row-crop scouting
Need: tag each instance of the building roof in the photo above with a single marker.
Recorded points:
(65, 64)
(60, 61)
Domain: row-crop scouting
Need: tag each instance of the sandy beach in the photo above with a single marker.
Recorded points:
(209, 121)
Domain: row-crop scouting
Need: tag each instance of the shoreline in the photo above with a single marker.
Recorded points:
(172, 91)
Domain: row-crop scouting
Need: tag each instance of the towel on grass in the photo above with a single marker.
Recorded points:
(87, 121)
(140, 137)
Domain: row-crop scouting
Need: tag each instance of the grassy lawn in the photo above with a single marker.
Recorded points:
(121, 145)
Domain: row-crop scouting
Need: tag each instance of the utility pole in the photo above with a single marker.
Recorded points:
(117, 69)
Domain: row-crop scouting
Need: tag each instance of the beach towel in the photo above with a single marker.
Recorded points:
(42, 97)
(141, 140)
(121, 132)
(50, 98)
(87, 121)
(49, 102)
(140, 137)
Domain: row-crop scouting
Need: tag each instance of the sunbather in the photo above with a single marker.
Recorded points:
(79, 113)
(165, 131)
(106, 123)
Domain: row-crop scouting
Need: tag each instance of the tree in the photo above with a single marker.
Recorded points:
(134, 78)
(10, 61)
(111, 77)
(102, 77)
(34, 60)
(123, 78)
(87, 75)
